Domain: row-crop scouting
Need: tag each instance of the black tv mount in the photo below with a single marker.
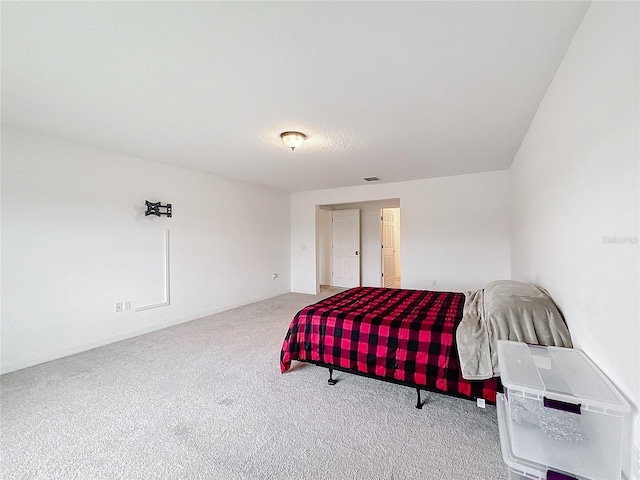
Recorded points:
(154, 209)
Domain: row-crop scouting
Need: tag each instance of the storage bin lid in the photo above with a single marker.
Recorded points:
(562, 374)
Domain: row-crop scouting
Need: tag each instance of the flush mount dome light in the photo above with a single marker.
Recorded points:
(292, 139)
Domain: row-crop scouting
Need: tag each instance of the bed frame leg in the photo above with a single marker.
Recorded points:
(331, 380)
(419, 404)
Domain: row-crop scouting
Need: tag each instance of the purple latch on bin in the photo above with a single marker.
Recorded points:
(551, 475)
(562, 406)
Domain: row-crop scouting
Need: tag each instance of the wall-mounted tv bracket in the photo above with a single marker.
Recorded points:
(154, 209)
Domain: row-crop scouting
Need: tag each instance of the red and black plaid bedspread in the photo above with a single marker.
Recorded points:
(406, 335)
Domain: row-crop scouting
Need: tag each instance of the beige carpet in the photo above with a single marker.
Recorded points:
(206, 400)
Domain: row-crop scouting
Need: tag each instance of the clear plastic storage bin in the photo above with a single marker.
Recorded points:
(559, 414)
(518, 468)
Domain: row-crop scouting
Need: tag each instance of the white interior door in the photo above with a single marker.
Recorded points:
(346, 248)
(388, 248)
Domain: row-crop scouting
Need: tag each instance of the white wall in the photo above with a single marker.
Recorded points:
(454, 229)
(575, 187)
(75, 241)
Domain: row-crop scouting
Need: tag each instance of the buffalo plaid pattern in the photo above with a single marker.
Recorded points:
(406, 335)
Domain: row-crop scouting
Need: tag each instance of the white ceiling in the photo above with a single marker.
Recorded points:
(398, 90)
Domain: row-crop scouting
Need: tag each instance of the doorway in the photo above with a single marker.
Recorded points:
(370, 270)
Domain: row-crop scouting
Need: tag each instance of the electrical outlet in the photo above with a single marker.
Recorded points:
(127, 305)
(118, 307)
(275, 275)
(434, 283)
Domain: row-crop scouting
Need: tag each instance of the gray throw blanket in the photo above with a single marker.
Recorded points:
(505, 310)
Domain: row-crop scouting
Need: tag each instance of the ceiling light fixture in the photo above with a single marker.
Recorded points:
(292, 139)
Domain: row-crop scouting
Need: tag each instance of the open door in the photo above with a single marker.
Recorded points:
(390, 247)
(346, 248)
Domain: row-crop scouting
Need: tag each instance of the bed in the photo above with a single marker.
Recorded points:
(402, 336)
